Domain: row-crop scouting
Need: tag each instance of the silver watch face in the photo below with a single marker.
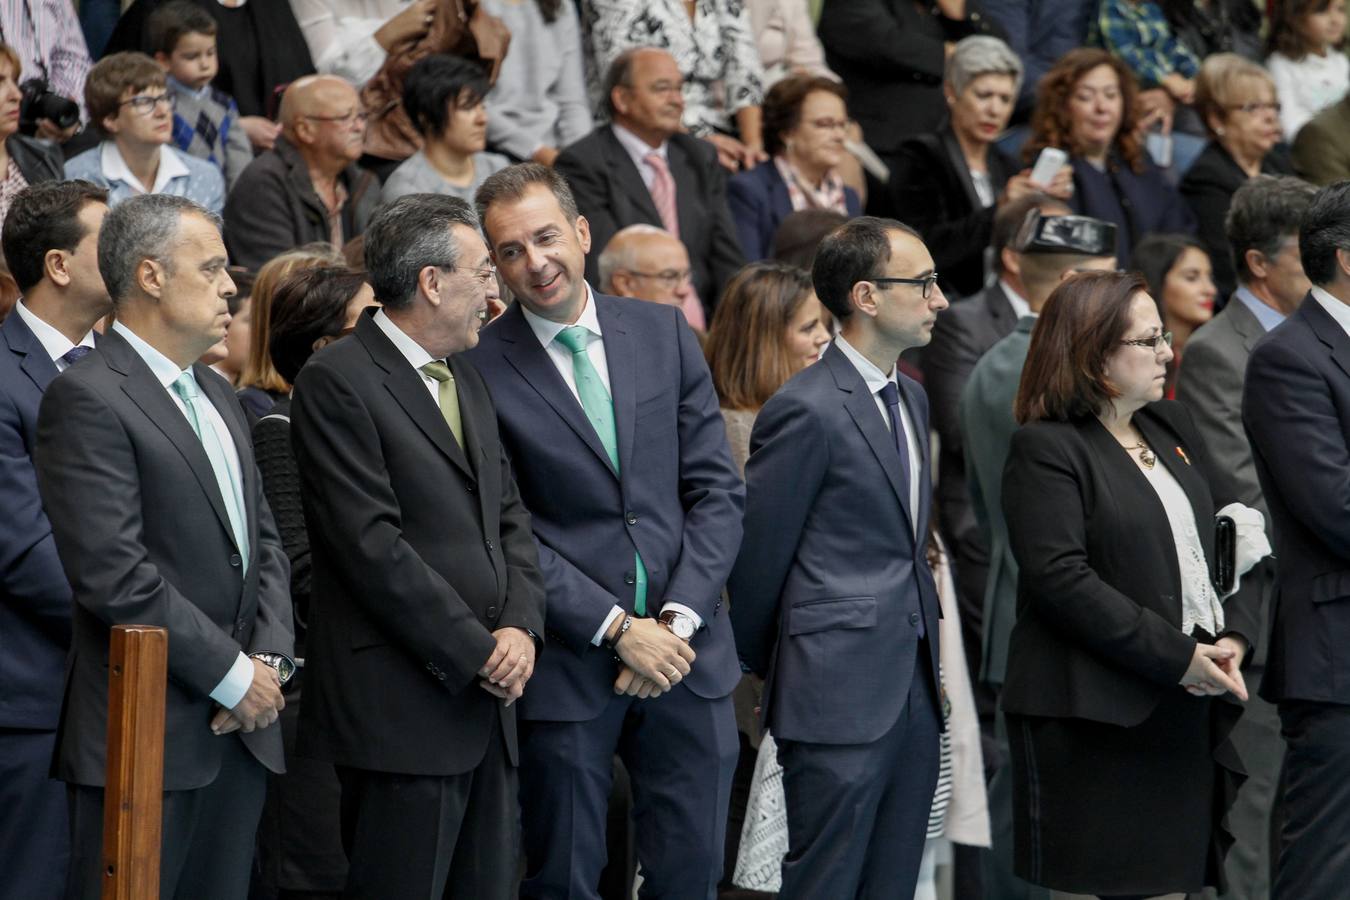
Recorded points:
(682, 627)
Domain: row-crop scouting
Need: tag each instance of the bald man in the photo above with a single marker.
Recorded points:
(648, 263)
(307, 188)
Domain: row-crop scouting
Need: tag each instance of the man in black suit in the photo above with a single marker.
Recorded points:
(51, 245)
(146, 470)
(832, 599)
(624, 173)
(1296, 409)
(427, 599)
(960, 337)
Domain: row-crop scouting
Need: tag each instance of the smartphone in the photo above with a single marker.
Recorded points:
(1225, 549)
(1048, 164)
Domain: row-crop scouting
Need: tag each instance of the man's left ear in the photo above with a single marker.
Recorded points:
(1343, 260)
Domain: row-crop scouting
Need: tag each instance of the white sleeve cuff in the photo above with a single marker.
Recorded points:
(684, 610)
(604, 626)
(235, 684)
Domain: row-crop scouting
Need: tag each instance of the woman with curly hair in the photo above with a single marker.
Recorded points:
(1085, 106)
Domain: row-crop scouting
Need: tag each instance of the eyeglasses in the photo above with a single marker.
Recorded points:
(927, 281)
(483, 276)
(144, 104)
(1255, 107)
(1154, 343)
(667, 278)
(356, 115)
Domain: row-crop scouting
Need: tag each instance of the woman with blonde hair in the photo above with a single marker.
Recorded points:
(260, 386)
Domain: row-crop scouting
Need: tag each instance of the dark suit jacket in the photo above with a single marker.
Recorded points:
(831, 580)
(933, 192)
(611, 195)
(890, 54)
(1098, 633)
(1208, 187)
(677, 497)
(961, 336)
(35, 614)
(420, 549)
(1139, 203)
(144, 538)
(759, 203)
(1296, 409)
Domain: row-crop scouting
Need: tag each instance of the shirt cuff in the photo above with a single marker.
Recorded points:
(235, 684)
(609, 620)
(684, 611)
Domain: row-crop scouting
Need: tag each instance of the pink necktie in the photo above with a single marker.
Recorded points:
(663, 193)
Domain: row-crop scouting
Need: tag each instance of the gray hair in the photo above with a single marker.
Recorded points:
(140, 228)
(1264, 213)
(511, 183)
(408, 235)
(982, 55)
(621, 255)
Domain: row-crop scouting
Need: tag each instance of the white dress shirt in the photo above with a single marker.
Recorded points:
(54, 342)
(237, 681)
(1337, 310)
(1019, 303)
(547, 332)
(876, 381)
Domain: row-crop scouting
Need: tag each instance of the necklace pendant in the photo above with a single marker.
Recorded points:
(1147, 456)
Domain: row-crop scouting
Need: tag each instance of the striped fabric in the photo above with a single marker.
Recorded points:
(47, 36)
(937, 815)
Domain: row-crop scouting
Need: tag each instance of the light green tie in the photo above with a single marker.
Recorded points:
(447, 397)
(599, 408)
(198, 417)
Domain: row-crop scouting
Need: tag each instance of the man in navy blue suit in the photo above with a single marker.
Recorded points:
(607, 410)
(832, 599)
(1296, 410)
(51, 244)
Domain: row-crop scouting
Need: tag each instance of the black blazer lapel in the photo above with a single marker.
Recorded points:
(920, 438)
(957, 160)
(1328, 331)
(862, 408)
(532, 363)
(630, 180)
(477, 425)
(621, 358)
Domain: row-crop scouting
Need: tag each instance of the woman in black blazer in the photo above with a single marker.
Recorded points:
(1120, 762)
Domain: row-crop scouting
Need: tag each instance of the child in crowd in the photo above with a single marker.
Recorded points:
(205, 120)
(1138, 33)
(1310, 71)
(130, 103)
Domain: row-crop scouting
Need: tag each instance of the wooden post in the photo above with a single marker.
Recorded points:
(133, 803)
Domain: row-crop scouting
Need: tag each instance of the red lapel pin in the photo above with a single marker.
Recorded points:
(1184, 458)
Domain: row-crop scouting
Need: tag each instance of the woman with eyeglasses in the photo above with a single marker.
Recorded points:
(130, 104)
(805, 123)
(299, 841)
(1180, 277)
(1236, 98)
(1124, 663)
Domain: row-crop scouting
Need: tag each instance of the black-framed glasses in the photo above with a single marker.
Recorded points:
(1154, 343)
(144, 104)
(667, 278)
(926, 281)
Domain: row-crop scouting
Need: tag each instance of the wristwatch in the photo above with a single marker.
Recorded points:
(284, 665)
(680, 625)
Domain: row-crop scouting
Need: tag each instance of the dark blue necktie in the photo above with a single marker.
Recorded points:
(75, 354)
(891, 396)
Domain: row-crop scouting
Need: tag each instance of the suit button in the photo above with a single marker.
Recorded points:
(629, 578)
(488, 542)
(430, 667)
(235, 561)
(632, 519)
(440, 676)
(914, 618)
(492, 612)
(470, 488)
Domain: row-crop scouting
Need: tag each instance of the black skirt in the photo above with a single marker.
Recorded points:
(1102, 809)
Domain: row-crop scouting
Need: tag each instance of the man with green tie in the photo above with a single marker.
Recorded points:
(147, 474)
(427, 603)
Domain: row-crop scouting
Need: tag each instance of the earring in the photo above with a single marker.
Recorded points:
(1219, 131)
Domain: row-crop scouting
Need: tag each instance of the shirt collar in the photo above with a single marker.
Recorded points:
(54, 342)
(200, 93)
(875, 378)
(636, 147)
(416, 355)
(1019, 303)
(164, 369)
(1267, 317)
(115, 168)
(547, 330)
(1338, 310)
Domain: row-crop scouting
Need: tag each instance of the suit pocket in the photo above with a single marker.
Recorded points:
(1329, 586)
(362, 635)
(832, 614)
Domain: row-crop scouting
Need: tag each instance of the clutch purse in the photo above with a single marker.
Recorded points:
(1225, 544)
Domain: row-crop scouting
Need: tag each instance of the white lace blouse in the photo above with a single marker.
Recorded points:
(1200, 606)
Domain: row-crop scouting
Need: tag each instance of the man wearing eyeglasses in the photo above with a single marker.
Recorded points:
(832, 600)
(307, 188)
(647, 263)
(427, 601)
(130, 104)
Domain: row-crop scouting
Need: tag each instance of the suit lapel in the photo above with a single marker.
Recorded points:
(36, 364)
(1245, 324)
(961, 168)
(524, 353)
(862, 408)
(920, 440)
(630, 179)
(1328, 331)
(1174, 457)
(221, 397)
(475, 427)
(1000, 308)
(621, 359)
(686, 197)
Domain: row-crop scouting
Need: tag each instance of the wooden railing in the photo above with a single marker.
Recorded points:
(134, 799)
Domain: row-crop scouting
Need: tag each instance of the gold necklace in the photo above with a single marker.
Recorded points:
(1146, 456)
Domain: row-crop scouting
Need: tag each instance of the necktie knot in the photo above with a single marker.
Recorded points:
(573, 338)
(438, 371)
(75, 354)
(656, 161)
(890, 395)
(186, 387)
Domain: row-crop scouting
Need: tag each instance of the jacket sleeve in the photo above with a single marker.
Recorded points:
(258, 223)
(750, 213)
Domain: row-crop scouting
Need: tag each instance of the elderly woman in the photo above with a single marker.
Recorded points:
(1237, 100)
(804, 124)
(949, 184)
(1085, 106)
(23, 160)
(1122, 638)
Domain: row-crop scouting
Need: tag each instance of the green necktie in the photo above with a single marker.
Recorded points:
(599, 408)
(447, 397)
(186, 389)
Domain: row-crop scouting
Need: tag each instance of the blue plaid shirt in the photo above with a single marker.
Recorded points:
(1138, 33)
